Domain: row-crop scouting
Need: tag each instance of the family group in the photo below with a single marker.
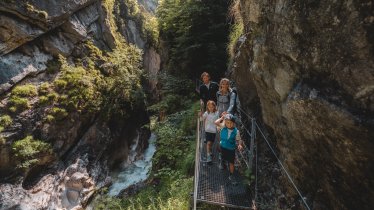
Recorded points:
(219, 102)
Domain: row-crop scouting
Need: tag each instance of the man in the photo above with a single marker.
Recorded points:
(208, 90)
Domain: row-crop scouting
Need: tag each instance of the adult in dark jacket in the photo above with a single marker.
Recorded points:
(208, 90)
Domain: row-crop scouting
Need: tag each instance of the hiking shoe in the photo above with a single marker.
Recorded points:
(209, 158)
(233, 180)
(220, 166)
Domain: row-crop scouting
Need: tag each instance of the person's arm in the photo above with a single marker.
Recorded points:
(205, 115)
(239, 140)
(218, 121)
(232, 102)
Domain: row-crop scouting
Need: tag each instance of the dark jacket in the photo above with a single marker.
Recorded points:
(209, 94)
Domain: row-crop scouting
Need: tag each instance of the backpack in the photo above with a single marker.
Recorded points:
(237, 102)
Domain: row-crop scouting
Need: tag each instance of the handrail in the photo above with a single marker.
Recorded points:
(197, 165)
(284, 169)
(252, 134)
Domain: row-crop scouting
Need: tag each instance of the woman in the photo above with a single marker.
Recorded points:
(225, 97)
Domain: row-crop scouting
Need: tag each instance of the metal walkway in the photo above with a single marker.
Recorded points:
(213, 185)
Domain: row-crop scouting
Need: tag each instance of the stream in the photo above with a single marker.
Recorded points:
(133, 171)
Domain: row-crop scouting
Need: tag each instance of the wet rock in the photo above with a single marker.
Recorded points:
(306, 68)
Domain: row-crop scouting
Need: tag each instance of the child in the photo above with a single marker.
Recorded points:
(229, 136)
(209, 117)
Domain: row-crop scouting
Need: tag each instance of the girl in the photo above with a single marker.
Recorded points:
(209, 117)
(225, 97)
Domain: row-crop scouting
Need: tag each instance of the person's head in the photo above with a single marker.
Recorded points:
(224, 85)
(211, 106)
(229, 121)
(205, 77)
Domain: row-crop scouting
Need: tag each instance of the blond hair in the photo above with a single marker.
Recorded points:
(221, 83)
(214, 104)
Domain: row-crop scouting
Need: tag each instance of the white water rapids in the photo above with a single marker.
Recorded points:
(133, 171)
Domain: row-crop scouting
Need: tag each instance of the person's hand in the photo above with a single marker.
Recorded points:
(200, 113)
(240, 147)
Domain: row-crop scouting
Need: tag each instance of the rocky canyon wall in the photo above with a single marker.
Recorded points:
(86, 141)
(310, 64)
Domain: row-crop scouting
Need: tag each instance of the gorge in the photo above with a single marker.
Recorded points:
(78, 79)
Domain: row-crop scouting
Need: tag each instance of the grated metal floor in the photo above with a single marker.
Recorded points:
(214, 186)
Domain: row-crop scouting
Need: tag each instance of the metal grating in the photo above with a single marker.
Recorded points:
(214, 186)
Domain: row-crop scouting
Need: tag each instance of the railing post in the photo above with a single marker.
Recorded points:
(252, 143)
(197, 162)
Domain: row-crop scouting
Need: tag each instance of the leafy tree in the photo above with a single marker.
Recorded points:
(196, 34)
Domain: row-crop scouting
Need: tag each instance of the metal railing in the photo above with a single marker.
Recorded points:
(247, 155)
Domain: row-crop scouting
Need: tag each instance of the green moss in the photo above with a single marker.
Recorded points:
(13, 109)
(236, 30)
(93, 51)
(29, 151)
(5, 121)
(60, 84)
(44, 88)
(25, 91)
(43, 100)
(18, 104)
(47, 94)
(58, 113)
(49, 118)
(52, 96)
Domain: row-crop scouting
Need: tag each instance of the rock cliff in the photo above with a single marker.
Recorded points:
(310, 64)
(60, 64)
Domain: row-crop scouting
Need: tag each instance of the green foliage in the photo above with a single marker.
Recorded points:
(47, 96)
(80, 87)
(43, 100)
(122, 90)
(13, 109)
(50, 118)
(236, 28)
(249, 177)
(196, 33)
(5, 121)
(58, 113)
(176, 94)
(44, 88)
(18, 99)
(25, 91)
(18, 104)
(148, 24)
(29, 151)
(172, 166)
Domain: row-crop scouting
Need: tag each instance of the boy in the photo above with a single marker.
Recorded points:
(230, 136)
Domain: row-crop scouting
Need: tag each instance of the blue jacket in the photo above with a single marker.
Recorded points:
(228, 143)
